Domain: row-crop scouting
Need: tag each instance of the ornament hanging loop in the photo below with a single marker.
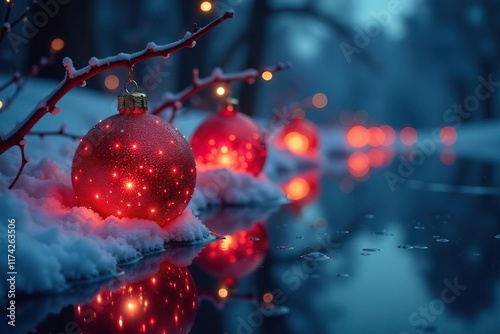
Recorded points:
(132, 102)
(134, 84)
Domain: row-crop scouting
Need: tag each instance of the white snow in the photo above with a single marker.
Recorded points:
(60, 242)
(63, 242)
(226, 187)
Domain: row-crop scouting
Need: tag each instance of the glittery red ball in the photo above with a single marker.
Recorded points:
(229, 139)
(134, 165)
(166, 302)
(301, 137)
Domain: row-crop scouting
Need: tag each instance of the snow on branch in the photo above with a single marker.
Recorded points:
(75, 78)
(175, 101)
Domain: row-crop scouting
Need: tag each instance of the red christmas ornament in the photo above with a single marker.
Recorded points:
(236, 256)
(300, 136)
(134, 164)
(229, 139)
(163, 303)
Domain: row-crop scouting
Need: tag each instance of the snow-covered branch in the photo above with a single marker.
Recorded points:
(175, 101)
(75, 77)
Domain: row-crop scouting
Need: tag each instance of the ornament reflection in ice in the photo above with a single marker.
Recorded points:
(163, 303)
(134, 164)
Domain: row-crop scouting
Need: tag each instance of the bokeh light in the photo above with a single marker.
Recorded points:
(357, 136)
(111, 82)
(376, 136)
(319, 100)
(57, 44)
(408, 136)
(267, 75)
(220, 90)
(358, 164)
(206, 6)
(389, 135)
(448, 135)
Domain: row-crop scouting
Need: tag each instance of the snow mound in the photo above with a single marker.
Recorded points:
(59, 243)
(224, 187)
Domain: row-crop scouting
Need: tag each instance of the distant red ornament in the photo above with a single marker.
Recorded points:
(236, 256)
(163, 303)
(301, 137)
(229, 139)
(302, 189)
(134, 164)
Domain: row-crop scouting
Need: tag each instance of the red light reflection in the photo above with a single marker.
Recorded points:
(163, 303)
(236, 256)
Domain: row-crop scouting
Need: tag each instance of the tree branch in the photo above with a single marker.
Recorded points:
(20, 79)
(175, 101)
(7, 27)
(61, 132)
(74, 77)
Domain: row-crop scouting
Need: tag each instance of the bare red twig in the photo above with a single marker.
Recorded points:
(24, 161)
(61, 133)
(175, 101)
(20, 79)
(75, 78)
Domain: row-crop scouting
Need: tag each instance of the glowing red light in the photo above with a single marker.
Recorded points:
(243, 150)
(358, 164)
(408, 136)
(119, 174)
(300, 136)
(358, 136)
(238, 255)
(389, 134)
(376, 136)
(376, 157)
(448, 156)
(448, 135)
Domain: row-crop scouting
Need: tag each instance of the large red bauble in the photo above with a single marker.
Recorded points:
(300, 136)
(134, 165)
(229, 139)
(166, 302)
(236, 256)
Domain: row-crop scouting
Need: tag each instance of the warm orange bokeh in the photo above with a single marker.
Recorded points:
(301, 137)
(358, 164)
(358, 136)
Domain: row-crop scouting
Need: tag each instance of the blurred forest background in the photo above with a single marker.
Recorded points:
(405, 68)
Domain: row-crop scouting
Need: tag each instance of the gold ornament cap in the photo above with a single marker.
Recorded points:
(132, 102)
